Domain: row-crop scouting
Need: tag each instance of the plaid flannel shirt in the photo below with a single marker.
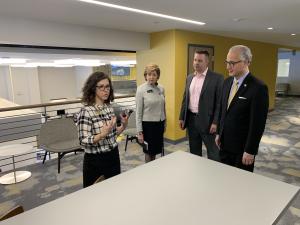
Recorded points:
(90, 121)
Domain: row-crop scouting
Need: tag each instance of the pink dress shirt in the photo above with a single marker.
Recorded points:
(195, 91)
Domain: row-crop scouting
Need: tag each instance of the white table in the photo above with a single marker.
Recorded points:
(12, 150)
(178, 189)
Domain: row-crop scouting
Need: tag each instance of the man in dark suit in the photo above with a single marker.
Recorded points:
(200, 106)
(244, 110)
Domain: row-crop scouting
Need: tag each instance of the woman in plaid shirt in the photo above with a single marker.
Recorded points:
(98, 130)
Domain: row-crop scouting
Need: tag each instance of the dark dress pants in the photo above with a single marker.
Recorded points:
(196, 137)
(235, 160)
(96, 165)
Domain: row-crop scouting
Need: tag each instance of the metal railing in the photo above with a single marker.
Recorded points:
(21, 125)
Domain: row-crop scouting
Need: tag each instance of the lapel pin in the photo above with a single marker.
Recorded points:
(245, 85)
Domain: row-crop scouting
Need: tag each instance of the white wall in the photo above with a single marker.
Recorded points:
(81, 74)
(20, 85)
(26, 88)
(32, 32)
(57, 83)
(294, 73)
(5, 83)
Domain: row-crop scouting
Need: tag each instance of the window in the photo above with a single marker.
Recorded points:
(283, 68)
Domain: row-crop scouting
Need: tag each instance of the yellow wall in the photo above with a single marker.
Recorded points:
(264, 63)
(162, 53)
(169, 50)
(132, 73)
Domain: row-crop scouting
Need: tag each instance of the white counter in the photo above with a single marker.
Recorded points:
(179, 189)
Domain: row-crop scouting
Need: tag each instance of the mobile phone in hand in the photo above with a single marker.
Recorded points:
(127, 112)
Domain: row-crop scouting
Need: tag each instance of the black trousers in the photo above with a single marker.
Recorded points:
(96, 165)
(235, 160)
(196, 137)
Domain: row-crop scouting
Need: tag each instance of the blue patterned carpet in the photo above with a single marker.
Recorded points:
(278, 158)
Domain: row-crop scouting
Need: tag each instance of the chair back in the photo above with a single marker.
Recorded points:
(12, 212)
(58, 130)
(132, 120)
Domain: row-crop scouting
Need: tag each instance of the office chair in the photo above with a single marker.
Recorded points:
(130, 130)
(59, 136)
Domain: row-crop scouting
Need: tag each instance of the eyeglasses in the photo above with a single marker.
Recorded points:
(103, 88)
(232, 63)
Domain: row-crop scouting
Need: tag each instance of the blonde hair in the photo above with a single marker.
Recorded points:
(152, 68)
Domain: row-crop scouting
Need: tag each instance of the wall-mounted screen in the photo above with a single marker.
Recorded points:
(120, 71)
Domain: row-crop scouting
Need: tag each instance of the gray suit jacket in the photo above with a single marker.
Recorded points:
(209, 101)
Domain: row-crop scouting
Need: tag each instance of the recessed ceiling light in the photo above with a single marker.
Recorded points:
(12, 60)
(78, 62)
(293, 34)
(23, 65)
(123, 63)
(270, 28)
(142, 11)
(238, 19)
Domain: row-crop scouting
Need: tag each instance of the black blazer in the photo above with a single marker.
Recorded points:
(242, 124)
(209, 101)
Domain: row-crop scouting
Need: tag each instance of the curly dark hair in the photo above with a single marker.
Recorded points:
(89, 88)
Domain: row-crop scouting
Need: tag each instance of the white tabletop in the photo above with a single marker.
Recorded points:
(178, 189)
(15, 149)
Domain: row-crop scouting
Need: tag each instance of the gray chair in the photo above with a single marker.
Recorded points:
(118, 109)
(59, 136)
(130, 130)
(282, 89)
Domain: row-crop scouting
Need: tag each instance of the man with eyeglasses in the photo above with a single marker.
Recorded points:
(201, 105)
(244, 110)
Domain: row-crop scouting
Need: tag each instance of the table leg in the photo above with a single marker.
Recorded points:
(13, 158)
(15, 176)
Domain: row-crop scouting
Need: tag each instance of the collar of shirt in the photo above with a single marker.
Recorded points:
(201, 74)
(151, 85)
(100, 107)
(241, 79)
(153, 88)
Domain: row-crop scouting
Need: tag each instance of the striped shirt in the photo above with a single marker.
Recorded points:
(90, 121)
